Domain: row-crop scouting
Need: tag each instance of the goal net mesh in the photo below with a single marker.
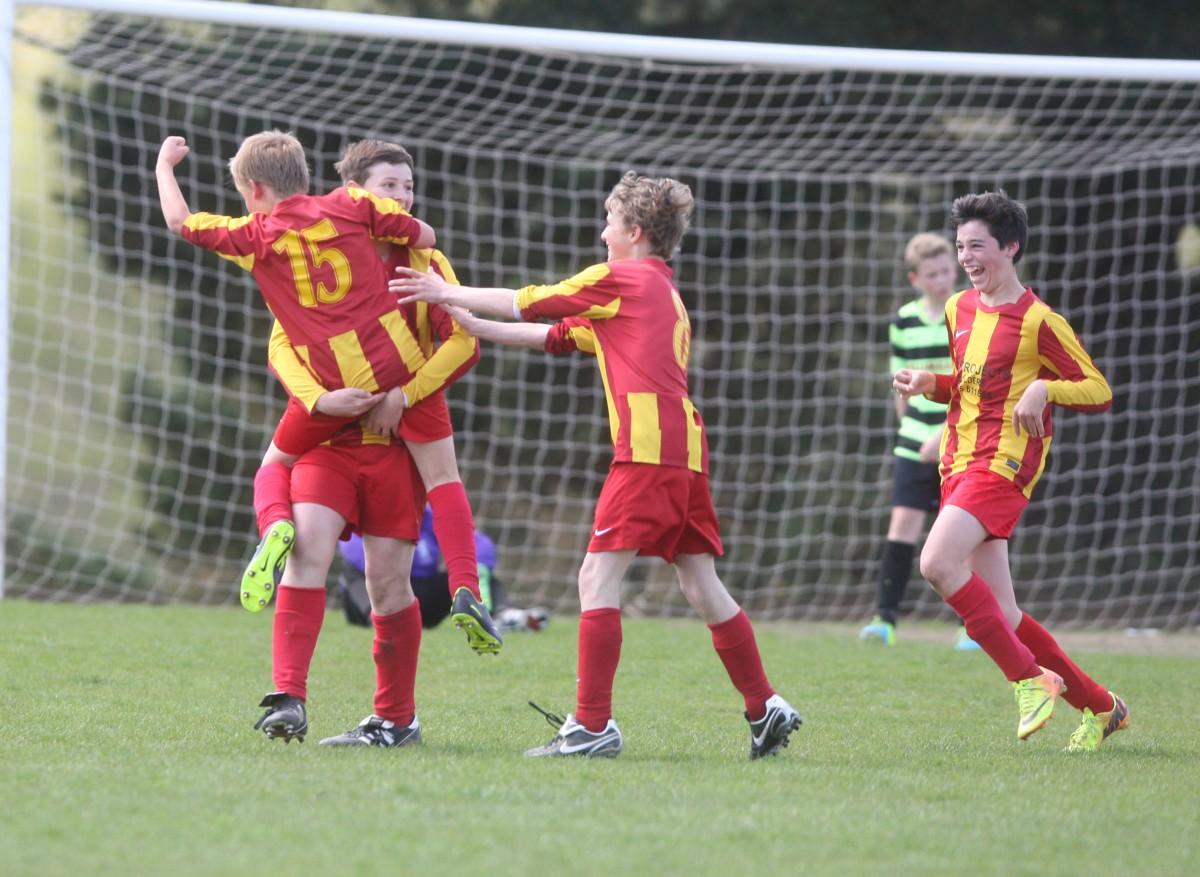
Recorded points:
(139, 403)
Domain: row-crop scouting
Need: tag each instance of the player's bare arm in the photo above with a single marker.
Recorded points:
(174, 206)
(427, 239)
(1027, 414)
(429, 287)
(512, 334)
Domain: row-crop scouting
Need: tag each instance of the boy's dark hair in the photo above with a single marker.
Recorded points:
(1005, 217)
(358, 158)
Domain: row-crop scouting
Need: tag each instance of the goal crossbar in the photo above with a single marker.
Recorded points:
(673, 49)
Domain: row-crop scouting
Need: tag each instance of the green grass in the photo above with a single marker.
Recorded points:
(126, 747)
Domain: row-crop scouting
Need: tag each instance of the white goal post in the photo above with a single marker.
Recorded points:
(138, 402)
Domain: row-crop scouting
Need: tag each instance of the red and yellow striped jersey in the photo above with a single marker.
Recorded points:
(629, 314)
(453, 356)
(997, 353)
(317, 268)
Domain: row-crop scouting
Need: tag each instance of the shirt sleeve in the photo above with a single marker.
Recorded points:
(1080, 385)
(593, 293)
(458, 352)
(570, 335)
(293, 372)
(387, 219)
(229, 237)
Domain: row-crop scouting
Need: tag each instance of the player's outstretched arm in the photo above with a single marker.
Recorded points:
(512, 334)
(426, 239)
(413, 285)
(174, 206)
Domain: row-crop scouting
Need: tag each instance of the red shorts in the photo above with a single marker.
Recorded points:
(662, 511)
(992, 499)
(299, 431)
(427, 421)
(376, 488)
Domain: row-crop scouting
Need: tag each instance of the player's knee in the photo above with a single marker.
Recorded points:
(588, 584)
(390, 596)
(596, 587)
(936, 566)
(274, 455)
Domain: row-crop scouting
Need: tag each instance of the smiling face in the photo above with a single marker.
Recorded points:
(390, 181)
(988, 265)
(619, 237)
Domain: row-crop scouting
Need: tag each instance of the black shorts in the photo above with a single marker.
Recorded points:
(916, 485)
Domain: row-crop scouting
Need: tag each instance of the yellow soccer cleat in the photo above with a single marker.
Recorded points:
(265, 570)
(1035, 700)
(1095, 729)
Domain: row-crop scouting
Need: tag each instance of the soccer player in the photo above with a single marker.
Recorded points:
(316, 266)
(656, 498)
(386, 170)
(918, 339)
(1013, 358)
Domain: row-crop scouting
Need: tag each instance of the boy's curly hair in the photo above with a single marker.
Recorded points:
(660, 205)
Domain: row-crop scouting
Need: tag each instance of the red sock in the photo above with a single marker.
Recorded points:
(1082, 691)
(299, 613)
(976, 605)
(272, 495)
(738, 650)
(396, 649)
(454, 527)
(599, 654)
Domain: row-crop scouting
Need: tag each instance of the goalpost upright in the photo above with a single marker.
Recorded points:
(811, 166)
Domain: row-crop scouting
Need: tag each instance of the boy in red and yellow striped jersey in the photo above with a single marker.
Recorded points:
(656, 500)
(315, 261)
(1013, 357)
(386, 170)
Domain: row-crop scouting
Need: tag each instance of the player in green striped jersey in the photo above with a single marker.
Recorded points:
(918, 339)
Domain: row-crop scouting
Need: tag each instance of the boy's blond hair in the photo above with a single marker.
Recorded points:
(358, 158)
(271, 158)
(925, 245)
(660, 205)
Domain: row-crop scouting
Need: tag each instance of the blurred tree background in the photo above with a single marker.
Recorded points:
(1106, 28)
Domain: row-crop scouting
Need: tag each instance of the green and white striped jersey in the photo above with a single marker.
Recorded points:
(919, 343)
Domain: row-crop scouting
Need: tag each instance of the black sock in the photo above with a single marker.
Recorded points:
(893, 578)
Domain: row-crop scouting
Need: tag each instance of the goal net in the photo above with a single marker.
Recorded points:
(139, 403)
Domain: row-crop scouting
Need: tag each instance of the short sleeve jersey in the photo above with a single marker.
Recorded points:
(314, 259)
(629, 314)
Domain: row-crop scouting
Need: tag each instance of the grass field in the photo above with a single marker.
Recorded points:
(126, 748)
